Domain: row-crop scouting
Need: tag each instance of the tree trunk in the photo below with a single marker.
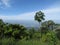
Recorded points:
(40, 28)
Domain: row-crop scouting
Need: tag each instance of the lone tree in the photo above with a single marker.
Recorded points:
(39, 16)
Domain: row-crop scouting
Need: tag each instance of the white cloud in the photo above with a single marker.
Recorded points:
(52, 10)
(25, 16)
(50, 14)
(5, 3)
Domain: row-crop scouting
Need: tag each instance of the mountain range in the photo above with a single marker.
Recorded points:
(27, 23)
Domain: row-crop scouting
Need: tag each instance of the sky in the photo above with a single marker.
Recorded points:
(26, 9)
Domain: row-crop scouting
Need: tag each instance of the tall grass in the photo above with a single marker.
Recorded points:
(11, 41)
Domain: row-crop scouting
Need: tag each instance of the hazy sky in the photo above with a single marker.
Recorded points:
(26, 9)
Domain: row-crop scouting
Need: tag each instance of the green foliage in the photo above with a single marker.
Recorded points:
(39, 16)
(51, 38)
(58, 33)
(48, 25)
(8, 41)
(15, 34)
(36, 36)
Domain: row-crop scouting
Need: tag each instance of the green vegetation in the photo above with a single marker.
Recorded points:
(15, 34)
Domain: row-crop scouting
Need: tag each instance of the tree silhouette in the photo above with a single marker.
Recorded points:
(39, 16)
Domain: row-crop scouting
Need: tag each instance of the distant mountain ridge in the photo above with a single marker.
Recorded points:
(27, 23)
(57, 21)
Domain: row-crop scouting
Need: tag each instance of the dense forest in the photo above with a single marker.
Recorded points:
(48, 33)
